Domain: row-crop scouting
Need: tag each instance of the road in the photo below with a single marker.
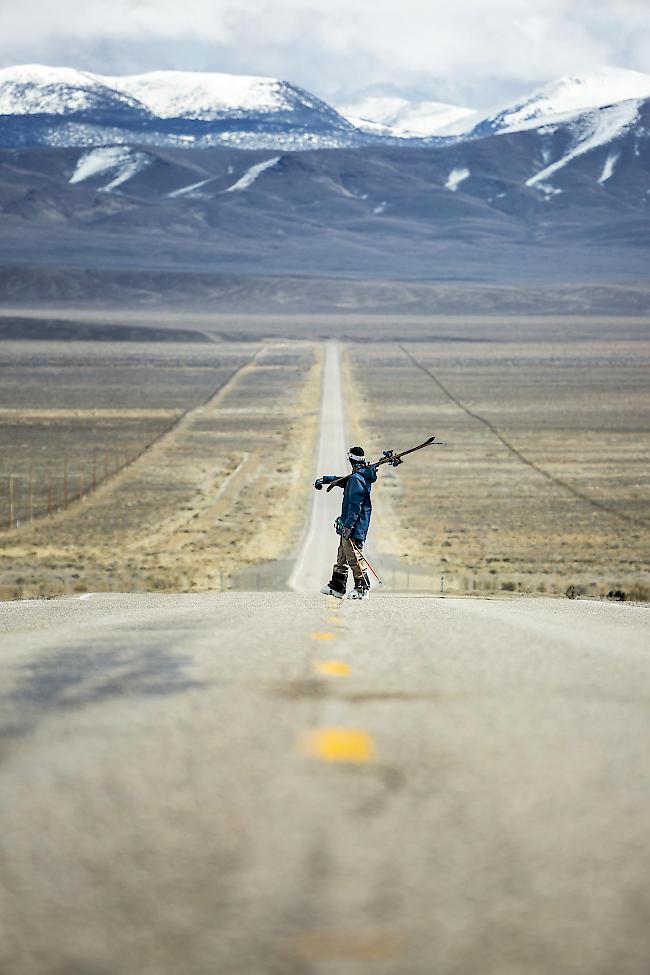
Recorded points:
(318, 550)
(283, 784)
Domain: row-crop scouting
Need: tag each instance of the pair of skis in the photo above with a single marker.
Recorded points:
(390, 457)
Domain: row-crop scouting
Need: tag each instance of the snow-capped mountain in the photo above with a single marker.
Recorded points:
(556, 102)
(65, 107)
(565, 98)
(39, 90)
(210, 96)
(61, 106)
(600, 128)
(566, 201)
(568, 143)
(403, 118)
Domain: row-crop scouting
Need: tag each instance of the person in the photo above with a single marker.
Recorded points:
(352, 525)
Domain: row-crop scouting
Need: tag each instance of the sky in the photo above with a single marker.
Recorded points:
(478, 53)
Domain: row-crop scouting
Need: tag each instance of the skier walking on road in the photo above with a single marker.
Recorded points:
(352, 525)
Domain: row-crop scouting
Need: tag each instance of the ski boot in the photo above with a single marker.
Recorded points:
(359, 594)
(336, 586)
(328, 591)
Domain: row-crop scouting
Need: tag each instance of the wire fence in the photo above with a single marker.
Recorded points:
(41, 491)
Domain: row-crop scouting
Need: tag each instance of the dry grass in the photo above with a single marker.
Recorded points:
(226, 488)
(187, 513)
(577, 410)
(77, 411)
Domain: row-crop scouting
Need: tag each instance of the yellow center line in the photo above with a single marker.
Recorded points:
(323, 635)
(332, 668)
(354, 745)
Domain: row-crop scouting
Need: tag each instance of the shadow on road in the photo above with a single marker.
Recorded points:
(79, 676)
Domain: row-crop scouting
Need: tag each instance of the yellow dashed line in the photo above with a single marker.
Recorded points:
(339, 745)
(332, 668)
(324, 635)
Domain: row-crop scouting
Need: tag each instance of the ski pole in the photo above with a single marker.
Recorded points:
(361, 556)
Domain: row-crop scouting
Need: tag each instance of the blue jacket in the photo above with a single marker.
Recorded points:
(357, 507)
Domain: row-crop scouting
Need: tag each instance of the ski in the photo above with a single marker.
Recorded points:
(390, 457)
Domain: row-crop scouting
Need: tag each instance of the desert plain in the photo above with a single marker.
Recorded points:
(176, 452)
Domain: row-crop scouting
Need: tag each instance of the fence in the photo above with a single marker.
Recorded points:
(25, 496)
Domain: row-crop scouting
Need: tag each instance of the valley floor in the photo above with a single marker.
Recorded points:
(188, 466)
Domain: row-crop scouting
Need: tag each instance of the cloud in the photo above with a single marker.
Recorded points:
(473, 50)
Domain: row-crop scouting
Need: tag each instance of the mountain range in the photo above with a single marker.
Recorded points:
(222, 174)
(558, 99)
(65, 107)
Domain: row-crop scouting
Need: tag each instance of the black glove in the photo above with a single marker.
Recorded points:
(318, 484)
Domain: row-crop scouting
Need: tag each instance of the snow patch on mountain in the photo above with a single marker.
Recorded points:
(592, 130)
(124, 162)
(548, 190)
(98, 161)
(251, 175)
(608, 168)
(455, 178)
(202, 95)
(400, 117)
(127, 171)
(192, 188)
(365, 125)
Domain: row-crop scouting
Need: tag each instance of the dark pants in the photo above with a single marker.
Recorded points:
(347, 559)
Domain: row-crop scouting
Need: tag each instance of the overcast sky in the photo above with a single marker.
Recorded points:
(472, 52)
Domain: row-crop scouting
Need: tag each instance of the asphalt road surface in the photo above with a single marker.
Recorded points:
(318, 551)
(286, 784)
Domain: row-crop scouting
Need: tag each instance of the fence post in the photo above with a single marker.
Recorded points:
(94, 481)
(65, 480)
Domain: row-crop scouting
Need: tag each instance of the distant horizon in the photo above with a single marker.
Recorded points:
(470, 54)
(377, 90)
